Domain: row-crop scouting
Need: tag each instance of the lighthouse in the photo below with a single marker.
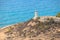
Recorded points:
(35, 15)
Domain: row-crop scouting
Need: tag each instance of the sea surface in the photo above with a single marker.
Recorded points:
(15, 11)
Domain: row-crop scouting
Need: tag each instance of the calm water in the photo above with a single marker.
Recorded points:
(14, 11)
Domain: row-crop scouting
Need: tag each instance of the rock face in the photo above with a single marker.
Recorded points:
(32, 30)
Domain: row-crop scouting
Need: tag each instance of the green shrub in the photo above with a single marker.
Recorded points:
(58, 15)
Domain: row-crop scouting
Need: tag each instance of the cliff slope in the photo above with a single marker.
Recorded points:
(46, 29)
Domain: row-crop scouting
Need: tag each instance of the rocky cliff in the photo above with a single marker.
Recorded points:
(33, 30)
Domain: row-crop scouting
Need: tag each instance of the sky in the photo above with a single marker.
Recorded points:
(14, 11)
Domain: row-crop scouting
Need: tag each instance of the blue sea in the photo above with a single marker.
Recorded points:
(15, 11)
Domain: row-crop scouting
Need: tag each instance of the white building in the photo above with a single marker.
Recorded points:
(36, 15)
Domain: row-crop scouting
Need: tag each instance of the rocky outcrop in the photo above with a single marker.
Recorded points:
(32, 30)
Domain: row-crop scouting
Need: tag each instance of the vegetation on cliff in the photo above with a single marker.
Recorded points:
(58, 14)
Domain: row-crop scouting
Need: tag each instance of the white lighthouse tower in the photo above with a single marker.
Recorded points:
(36, 15)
